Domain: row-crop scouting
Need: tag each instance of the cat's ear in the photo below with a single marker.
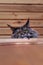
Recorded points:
(12, 28)
(27, 23)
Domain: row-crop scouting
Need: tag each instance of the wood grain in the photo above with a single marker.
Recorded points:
(5, 37)
(21, 55)
(36, 23)
(5, 31)
(17, 23)
(21, 7)
(20, 15)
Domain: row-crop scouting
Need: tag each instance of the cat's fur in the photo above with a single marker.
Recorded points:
(24, 31)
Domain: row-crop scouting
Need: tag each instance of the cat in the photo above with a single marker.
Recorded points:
(24, 31)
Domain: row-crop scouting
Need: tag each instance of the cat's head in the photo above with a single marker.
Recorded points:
(25, 30)
(15, 28)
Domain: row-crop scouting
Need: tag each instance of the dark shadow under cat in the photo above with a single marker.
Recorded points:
(24, 31)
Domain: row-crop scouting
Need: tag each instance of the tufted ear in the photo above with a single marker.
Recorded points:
(27, 24)
(12, 28)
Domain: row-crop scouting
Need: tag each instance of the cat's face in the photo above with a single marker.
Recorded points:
(21, 33)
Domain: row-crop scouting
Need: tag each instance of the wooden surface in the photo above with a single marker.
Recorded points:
(21, 7)
(15, 23)
(16, 14)
(20, 15)
(21, 41)
(21, 55)
(22, 1)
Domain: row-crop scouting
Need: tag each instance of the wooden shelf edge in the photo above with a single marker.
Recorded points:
(21, 41)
